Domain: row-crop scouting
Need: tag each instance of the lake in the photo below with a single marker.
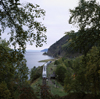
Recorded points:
(33, 58)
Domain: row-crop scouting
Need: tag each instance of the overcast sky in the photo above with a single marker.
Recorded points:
(56, 19)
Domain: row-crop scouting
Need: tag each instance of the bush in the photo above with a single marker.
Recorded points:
(4, 91)
(26, 92)
(60, 73)
(56, 62)
(35, 73)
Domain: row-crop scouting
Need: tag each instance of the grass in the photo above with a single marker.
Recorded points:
(49, 67)
(54, 90)
(36, 87)
(46, 60)
(37, 82)
(57, 90)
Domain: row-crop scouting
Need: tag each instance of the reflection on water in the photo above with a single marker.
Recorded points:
(33, 58)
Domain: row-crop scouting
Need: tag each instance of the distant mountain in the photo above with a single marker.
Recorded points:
(60, 48)
(44, 50)
(32, 50)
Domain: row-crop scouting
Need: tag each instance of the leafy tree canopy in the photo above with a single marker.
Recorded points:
(21, 22)
(68, 33)
(87, 17)
(84, 78)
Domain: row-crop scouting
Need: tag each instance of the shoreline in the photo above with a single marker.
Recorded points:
(46, 60)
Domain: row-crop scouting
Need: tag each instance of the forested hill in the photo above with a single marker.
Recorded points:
(60, 48)
(56, 48)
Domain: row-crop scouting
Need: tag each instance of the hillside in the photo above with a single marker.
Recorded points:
(44, 50)
(60, 48)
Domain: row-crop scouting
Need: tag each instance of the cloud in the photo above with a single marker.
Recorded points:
(59, 3)
(56, 19)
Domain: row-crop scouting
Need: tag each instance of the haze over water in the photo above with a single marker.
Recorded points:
(33, 58)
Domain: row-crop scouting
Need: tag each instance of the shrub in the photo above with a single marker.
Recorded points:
(60, 73)
(26, 92)
(4, 91)
(35, 73)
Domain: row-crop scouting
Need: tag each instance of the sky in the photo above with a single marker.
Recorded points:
(56, 19)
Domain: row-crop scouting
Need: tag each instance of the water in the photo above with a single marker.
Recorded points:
(33, 58)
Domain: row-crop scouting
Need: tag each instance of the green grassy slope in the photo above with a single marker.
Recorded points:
(55, 89)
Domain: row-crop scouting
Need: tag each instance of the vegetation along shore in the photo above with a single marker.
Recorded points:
(74, 73)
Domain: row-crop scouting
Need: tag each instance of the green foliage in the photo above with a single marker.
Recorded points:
(56, 62)
(21, 19)
(79, 96)
(60, 73)
(13, 69)
(68, 47)
(68, 33)
(86, 16)
(87, 41)
(6, 67)
(63, 66)
(59, 61)
(21, 71)
(75, 79)
(26, 92)
(35, 73)
(84, 75)
(4, 44)
(92, 70)
(4, 91)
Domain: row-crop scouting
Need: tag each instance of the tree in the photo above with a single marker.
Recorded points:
(4, 92)
(84, 77)
(13, 69)
(72, 31)
(86, 15)
(74, 78)
(26, 92)
(92, 70)
(35, 73)
(60, 73)
(21, 22)
(4, 44)
(21, 71)
(6, 67)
